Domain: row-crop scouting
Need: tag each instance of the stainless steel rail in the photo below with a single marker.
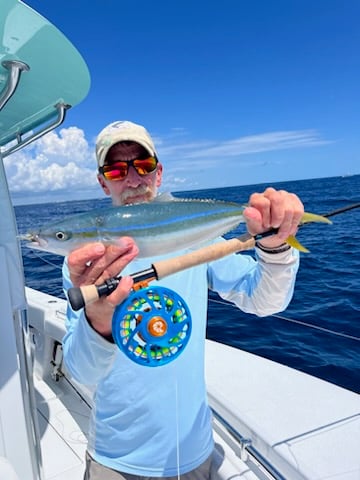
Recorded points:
(21, 143)
(248, 453)
(15, 68)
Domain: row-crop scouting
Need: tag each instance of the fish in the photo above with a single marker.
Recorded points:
(158, 227)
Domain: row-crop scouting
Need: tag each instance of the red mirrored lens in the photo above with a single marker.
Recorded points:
(119, 170)
(145, 166)
(116, 171)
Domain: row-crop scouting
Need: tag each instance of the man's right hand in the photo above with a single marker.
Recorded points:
(93, 264)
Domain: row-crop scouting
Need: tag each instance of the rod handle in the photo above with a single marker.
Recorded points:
(81, 296)
(206, 254)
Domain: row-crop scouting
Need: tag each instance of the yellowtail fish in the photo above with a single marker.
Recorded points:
(158, 228)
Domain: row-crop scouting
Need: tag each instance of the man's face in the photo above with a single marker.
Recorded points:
(134, 188)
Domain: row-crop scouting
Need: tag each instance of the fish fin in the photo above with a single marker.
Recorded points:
(294, 242)
(164, 197)
(312, 217)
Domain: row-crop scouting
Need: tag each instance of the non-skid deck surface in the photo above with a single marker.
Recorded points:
(63, 422)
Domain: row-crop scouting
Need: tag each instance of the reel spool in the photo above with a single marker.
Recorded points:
(152, 326)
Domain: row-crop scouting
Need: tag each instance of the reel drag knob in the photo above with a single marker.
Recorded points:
(152, 326)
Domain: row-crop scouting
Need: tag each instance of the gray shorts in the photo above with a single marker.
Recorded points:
(96, 471)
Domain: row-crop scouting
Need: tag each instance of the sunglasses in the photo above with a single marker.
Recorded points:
(119, 170)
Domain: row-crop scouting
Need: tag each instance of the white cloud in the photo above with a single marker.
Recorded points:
(263, 142)
(57, 161)
(68, 145)
(192, 163)
(65, 161)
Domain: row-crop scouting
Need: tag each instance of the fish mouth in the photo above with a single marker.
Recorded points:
(34, 240)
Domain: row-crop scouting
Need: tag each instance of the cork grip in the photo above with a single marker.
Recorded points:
(206, 254)
(79, 297)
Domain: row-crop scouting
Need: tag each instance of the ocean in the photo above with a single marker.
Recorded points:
(319, 333)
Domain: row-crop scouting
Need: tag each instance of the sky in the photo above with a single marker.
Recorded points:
(235, 92)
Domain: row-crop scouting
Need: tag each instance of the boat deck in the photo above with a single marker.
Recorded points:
(63, 419)
(64, 406)
(297, 426)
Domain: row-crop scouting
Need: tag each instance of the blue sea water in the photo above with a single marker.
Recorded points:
(319, 333)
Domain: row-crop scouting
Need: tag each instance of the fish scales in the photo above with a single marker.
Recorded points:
(163, 216)
(157, 227)
(155, 219)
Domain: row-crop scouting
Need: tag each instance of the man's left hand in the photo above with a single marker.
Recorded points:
(273, 209)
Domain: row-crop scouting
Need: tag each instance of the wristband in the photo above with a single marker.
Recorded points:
(280, 249)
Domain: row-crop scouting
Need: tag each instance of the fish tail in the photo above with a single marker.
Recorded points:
(306, 218)
(312, 217)
(294, 242)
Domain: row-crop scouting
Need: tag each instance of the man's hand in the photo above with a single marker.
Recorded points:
(273, 209)
(93, 264)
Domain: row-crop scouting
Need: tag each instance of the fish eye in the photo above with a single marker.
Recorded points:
(61, 236)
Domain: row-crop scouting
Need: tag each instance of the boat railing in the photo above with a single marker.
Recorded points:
(247, 452)
(15, 69)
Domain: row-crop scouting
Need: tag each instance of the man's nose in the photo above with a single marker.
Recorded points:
(133, 178)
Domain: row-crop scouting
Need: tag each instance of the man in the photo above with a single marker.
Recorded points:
(155, 422)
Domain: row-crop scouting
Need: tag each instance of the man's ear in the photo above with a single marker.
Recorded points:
(103, 184)
(159, 172)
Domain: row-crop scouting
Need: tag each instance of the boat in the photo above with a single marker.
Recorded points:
(269, 421)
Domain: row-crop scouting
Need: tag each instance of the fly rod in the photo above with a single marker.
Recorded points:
(81, 296)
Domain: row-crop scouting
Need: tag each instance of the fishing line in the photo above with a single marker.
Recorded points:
(299, 322)
(323, 329)
(36, 254)
(177, 429)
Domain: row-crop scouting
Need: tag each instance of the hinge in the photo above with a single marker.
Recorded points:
(56, 361)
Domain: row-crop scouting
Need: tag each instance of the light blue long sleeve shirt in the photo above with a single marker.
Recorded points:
(156, 421)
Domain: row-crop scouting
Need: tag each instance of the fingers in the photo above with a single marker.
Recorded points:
(95, 262)
(79, 259)
(274, 209)
(100, 313)
(121, 292)
(110, 264)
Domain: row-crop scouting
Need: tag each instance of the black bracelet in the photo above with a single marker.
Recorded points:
(280, 249)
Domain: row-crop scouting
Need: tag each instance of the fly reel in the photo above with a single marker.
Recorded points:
(152, 326)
